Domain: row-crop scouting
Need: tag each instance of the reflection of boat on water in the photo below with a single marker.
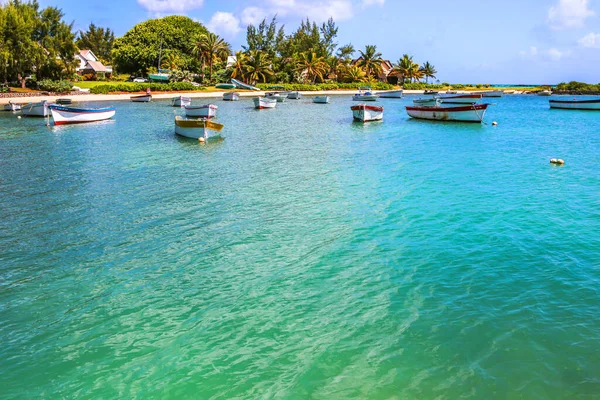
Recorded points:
(201, 129)
(470, 113)
(69, 115)
(243, 85)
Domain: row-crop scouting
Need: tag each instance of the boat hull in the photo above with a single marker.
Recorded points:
(425, 102)
(492, 93)
(280, 97)
(365, 97)
(472, 113)
(205, 111)
(294, 95)
(225, 86)
(231, 96)
(264, 102)
(12, 107)
(392, 94)
(159, 77)
(181, 101)
(461, 99)
(576, 104)
(68, 115)
(141, 99)
(366, 113)
(36, 109)
(242, 85)
(321, 99)
(197, 128)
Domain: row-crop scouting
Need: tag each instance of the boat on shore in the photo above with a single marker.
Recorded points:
(461, 98)
(70, 115)
(545, 93)
(264, 102)
(366, 113)
(10, 106)
(201, 129)
(181, 101)
(470, 113)
(575, 104)
(231, 96)
(203, 111)
(391, 94)
(144, 98)
(365, 94)
(242, 85)
(321, 99)
(294, 95)
(225, 86)
(39, 109)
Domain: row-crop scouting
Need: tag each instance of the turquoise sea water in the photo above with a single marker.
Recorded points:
(304, 256)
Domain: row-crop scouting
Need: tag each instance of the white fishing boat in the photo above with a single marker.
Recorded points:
(264, 102)
(365, 113)
(492, 93)
(181, 101)
(545, 93)
(201, 129)
(12, 106)
(144, 98)
(461, 98)
(231, 96)
(70, 115)
(279, 96)
(294, 95)
(243, 85)
(431, 101)
(321, 99)
(204, 111)
(469, 113)
(575, 104)
(391, 94)
(39, 109)
(365, 94)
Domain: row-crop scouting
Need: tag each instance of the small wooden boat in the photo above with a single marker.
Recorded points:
(181, 101)
(279, 96)
(365, 113)
(321, 99)
(431, 101)
(461, 98)
(64, 101)
(231, 96)
(391, 94)
(12, 106)
(39, 109)
(144, 98)
(365, 94)
(545, 93)
(243, 85)
(69, 115)
(431, 92)
(470, 113)
(204, 111)
(197, 128)
(575, 104)
(492, 93)
(225, 86)
(294, 95)
(264, 102)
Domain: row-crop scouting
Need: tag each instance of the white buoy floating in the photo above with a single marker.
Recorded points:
(18, 117)
(494, 123)
(557, 161)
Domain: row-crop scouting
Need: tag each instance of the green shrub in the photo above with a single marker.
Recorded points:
(458, 86)
(305, 87)
(48, 85)
(575, 86)
(422, 86)
(140, 87)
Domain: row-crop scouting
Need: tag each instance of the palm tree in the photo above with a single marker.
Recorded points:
(257, 66)
(345, 52)
(171, 61)
(209, 47)
(404, 67)
(415, 72)
(428, 71)
(314, 67)
(239, 65)
(354, 74)
(370, 60)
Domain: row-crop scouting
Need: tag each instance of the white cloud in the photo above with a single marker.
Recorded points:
(253, 15)
(224, 24)
(167, 6)
(318, 10)
(590, 40)
(569, 14)
(552, 54)
(369, 3)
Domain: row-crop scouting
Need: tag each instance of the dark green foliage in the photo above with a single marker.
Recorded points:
(575, 86)
(48, 85)
(328, 86)
(422, 86)
(140, 87)
(99, 40)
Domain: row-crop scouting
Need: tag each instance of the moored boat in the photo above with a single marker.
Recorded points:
(365, 113)
(545, 93)
(365, 94)
(469, 113)
(64, 101)
(12, 106)
(70, 115)
(197, 128)
(144, 98)
(204, 111)
(492, 93)
(243, 85)
(279, 96)
(231, 96)
(181, 101)
(264, 102)
(225, 86)
(461, 98)
(575, 104)
(39, 109)
(321, 99)
(294, 95)
(431, 101)
(391, 94)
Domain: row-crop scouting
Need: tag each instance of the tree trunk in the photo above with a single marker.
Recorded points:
(22, 81)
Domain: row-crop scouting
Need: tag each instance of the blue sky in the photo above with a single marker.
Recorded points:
(468, 41)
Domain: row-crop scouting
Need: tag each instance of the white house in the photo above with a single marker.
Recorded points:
(89, 64)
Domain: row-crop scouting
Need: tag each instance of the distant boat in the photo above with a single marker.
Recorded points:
(225, 86)
(12, 106)
(431, 101)
(294, 95)
(69, 115)
(204, 111)
(391, 94)
(181, 101)
(576, 104)
(365, 113)
(470, 113)
(431, 92)
(64, 101)
(39, 109)
(144, 98)
(231, 96)
(545, 93)
(461, 98)
(197, 128)
(243, 85)
(264, 102)
(321, 99)
(365, 94)
(279, 96)
(492, 93)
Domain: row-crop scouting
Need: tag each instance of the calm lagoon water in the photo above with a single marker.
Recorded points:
(304, 256)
